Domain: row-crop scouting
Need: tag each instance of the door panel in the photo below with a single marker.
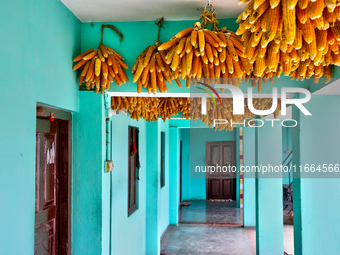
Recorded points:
(46, 216)
(44, 238)
(49, 177)
(227, 187)
(220, 184)
(215, 188)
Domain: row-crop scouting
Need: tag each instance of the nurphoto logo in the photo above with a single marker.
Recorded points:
(238, 105)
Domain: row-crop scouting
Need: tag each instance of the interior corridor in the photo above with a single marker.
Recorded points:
(207, 227)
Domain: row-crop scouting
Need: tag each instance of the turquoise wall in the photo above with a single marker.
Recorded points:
(164, 191)
(124, 227)
(317, 200)
(249, 177)
(194, 149)
(90, 185)
(287, 144)
(268, 187)
(174, 174)
(38, 40)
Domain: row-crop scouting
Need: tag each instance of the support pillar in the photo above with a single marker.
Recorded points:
(269, 215)
(316, 205)
(152, 187)
(249, 178)
(173, 175)
(90, 187)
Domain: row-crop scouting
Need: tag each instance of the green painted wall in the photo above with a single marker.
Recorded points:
(249, 177)
(194, 149)
(174, 174)
(316, 200)
(164, 191)
(124, 227)
(287, 144)
(38, 40)
(268, 195)
(90, 184)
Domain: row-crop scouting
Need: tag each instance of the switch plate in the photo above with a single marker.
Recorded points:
(108, 166)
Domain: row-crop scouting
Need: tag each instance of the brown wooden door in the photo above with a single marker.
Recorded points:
(52, 185)
(221, 183)
(46, 208)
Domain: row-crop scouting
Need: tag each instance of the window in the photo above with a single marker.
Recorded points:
(162, 159)
(133, 157)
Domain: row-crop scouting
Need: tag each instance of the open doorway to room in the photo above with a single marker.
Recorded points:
(52, 207)
(219, 206)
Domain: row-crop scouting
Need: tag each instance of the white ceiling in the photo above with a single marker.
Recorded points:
(147, 10)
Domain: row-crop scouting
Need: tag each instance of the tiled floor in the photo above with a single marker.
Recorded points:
(191, 240)
(214, 228)
(206, 212)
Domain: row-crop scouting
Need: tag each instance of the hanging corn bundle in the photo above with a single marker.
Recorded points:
(224, 111)
(150, 69)
(150, 108)
(138, 107)
(299, 38)
(173, 106)
(197, 52)
(101, 66)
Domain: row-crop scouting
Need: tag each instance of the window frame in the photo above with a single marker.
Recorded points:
(132, 173)
(162, 163)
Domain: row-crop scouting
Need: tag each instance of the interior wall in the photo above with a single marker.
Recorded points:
(249, 177)
(316, 200)
(38, 40)
(194, 154)
(287, 144)
(124, 227)
(90, 184)
(164, 191)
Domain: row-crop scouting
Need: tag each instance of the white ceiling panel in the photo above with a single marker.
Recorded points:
(147, 10)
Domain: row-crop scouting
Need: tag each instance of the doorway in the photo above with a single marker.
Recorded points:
(52, 204)
(221, 184)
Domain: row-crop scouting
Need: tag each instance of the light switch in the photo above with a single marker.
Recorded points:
(108, 166)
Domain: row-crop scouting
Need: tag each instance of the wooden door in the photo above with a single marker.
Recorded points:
(52, 186)
(221, 183)
(46, 206)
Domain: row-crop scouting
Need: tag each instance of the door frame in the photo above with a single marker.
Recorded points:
(65, 164)
(233, 143)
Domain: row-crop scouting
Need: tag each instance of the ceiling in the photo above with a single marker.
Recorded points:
(148, 10)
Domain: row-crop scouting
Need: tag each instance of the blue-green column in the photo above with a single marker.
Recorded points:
(152, 186)
(269, 215)
(90, 185)
(173, 175)
(316, 140)
(248, 177)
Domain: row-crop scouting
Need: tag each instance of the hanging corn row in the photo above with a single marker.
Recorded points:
(101, 66)
(150, 108)
(225, 111)
(196, 52)
(299, 38)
